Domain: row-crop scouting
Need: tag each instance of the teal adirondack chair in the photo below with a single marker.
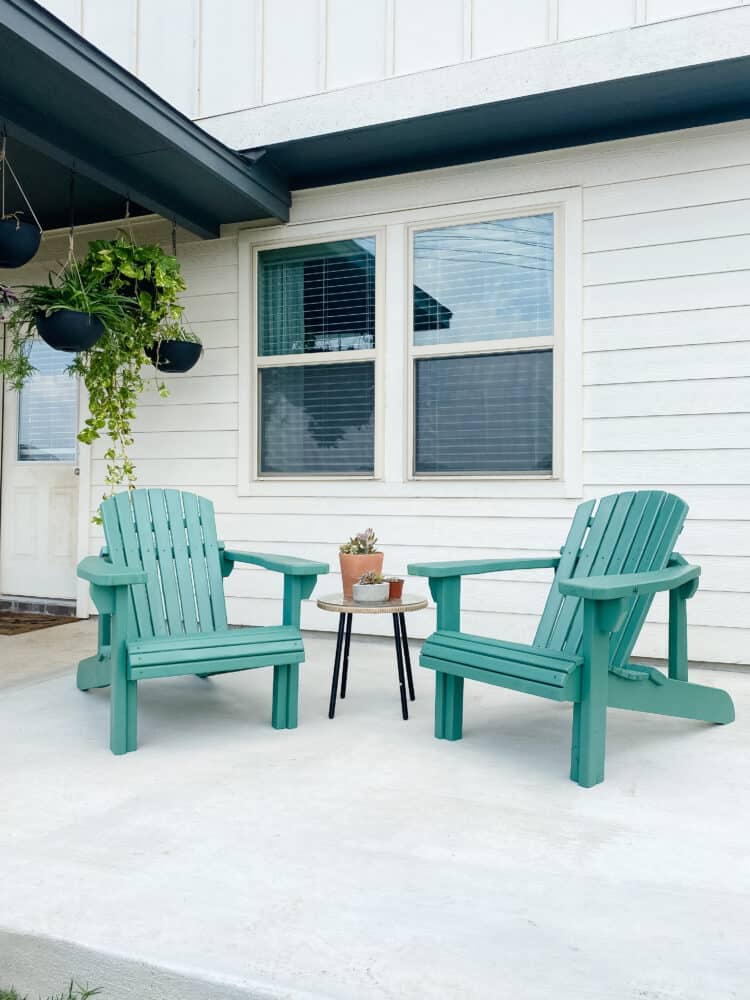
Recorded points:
(614, 560)
(159, 591)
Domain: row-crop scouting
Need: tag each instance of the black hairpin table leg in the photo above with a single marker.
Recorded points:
(407, 658)
(347, 641)
(336, 662)
(400, 667)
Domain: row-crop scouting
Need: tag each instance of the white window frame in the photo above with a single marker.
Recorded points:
(387, 211)
(499, 345)
(259, 361)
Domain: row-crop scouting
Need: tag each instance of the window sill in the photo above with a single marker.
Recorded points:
(377, 488)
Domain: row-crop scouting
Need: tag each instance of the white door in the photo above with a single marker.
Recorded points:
(39, 486)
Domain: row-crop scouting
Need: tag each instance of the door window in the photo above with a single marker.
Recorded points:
(48, 409)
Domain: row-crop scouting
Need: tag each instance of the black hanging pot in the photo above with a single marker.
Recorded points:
(174, 355)
(19, 241)
(70, 330)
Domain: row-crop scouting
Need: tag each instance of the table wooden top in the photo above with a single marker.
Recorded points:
(348, 606)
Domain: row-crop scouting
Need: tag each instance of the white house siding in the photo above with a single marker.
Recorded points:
(212, 57)
(666, 305)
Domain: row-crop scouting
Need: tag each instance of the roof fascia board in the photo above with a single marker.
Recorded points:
(65, 47)
(32, 129)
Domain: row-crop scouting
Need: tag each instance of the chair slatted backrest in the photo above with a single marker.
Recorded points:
(627, 533)
(172, 536)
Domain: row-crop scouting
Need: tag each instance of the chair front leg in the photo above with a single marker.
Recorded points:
(296, 590)
(600, 619)
(123, 702)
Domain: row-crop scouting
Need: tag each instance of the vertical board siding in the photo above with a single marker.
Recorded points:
(662, 10)
(113, 27)
(168, 50)
(508, 26)
(291, 49)
(666, 400)
(214, 57)
(428, 33)
(577, 18)
(68, 11)
(356, 43)
(228, 56)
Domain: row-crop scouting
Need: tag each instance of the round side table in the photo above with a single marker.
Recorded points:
(346, 608)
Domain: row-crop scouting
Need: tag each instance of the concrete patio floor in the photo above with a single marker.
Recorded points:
(361, 858)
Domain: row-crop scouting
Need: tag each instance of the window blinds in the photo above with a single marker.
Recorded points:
(48, 409)
(488, 413)
(317, 419)
(317, 298)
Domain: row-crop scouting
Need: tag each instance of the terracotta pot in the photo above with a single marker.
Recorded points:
(352, 568)
(396, 591)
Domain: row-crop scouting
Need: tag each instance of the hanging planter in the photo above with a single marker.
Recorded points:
(175, 356)
(70, 313)
(19, 240)
(126, 294)
(70, 330)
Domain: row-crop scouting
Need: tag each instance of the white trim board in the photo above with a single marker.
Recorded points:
(391, 229)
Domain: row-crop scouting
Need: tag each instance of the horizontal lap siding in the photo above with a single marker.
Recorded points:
(667, 375)
(666, 401)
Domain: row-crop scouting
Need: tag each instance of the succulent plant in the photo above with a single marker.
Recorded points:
(371, 577)
(363, 544)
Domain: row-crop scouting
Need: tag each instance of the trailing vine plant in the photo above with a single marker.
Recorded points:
(151, 281)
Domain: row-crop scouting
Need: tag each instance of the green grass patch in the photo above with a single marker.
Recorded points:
(73, 992)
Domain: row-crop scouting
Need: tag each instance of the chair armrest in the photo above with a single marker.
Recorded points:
(437, 570)
(288, 565)
(609, 588)
(103, 574)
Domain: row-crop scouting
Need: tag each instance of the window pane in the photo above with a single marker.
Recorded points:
(484, 413)
(48, 409)
(484, 281)
(317, 298)
(317, 419)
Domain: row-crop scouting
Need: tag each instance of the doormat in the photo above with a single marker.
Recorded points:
(18, 622)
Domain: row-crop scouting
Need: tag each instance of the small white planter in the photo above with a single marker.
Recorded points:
(370, 593)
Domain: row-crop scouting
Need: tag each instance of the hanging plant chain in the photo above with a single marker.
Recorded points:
(5, 163)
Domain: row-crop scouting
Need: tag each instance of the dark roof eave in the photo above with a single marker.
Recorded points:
(684, 97)
(233, 178)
